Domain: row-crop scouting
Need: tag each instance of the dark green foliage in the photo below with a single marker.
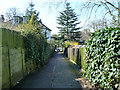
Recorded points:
(103, 58)
(36, 47)
(68, 22)
(57, 40)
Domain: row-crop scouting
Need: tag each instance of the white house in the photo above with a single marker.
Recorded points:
(47, 31)
(17, 20)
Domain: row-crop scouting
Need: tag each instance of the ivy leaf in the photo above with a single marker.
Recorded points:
(116, 85)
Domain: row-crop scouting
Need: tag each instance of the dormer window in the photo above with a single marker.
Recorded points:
(15, 19)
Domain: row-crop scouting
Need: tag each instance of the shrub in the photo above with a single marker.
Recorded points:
(69, 43)
(36, 47)
(103, 59)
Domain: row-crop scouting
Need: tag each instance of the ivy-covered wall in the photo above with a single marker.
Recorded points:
(103, 58)
(100, 58)
(19, 57)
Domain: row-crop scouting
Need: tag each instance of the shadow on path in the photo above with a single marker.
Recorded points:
(56, 74)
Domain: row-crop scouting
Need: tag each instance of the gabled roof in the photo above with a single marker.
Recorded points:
(43, 26)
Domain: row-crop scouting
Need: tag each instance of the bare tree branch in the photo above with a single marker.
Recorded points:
(12, 12)
(108, 9)
(112, 5)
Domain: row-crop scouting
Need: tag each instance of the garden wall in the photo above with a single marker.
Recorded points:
(13, 66)
(0, 62)
(12, 57)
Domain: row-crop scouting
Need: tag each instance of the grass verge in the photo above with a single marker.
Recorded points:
(79, 74)
(72, 67)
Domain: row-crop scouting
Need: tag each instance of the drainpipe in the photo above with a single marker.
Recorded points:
(13, 19)
(18, 20)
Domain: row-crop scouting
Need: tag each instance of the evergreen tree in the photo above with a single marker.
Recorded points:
(30, 11)
(68, 21)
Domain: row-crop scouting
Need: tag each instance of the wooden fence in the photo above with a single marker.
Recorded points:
(77, 54)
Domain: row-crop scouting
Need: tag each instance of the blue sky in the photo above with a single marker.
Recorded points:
(49, 10)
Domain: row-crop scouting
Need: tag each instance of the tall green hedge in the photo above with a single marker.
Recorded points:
(37, 49)
(103, 58)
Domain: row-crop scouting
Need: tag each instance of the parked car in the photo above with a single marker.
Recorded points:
(58, 49)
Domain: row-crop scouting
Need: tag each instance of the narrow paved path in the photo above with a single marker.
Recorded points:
(56, 74)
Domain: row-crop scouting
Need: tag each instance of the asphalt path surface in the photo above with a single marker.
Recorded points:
(56, 74)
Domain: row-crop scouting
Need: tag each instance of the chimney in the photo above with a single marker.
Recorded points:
(2, 18)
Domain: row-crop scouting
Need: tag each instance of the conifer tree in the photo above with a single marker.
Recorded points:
(68, 21)
(30, 11)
